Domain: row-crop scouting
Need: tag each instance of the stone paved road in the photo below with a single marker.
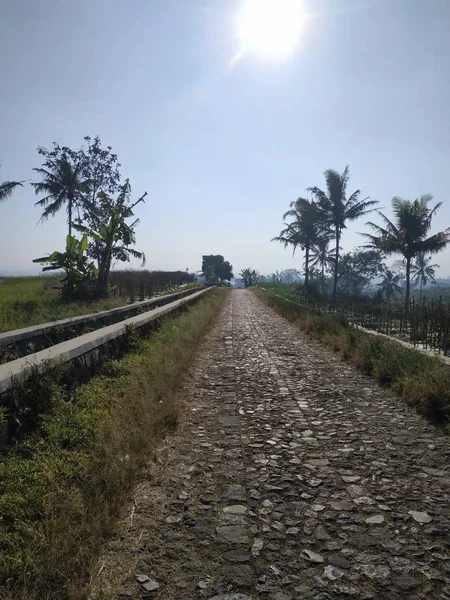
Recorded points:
(292, 476)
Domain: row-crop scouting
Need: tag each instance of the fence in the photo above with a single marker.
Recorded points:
(426, 324)
(139, 285)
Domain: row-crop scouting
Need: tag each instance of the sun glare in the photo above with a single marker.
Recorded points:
(271, 27)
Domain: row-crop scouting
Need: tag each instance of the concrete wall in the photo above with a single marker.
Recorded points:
(86, 344)
(28, 333)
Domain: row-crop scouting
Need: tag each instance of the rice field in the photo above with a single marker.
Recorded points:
(28, 301)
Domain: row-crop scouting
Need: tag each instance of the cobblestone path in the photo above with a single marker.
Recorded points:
(291, 476)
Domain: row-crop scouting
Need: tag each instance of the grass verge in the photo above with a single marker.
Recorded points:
(423, 381)
(62, 487)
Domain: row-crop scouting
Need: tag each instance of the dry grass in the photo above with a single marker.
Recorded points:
(423, 381)
(63, 486)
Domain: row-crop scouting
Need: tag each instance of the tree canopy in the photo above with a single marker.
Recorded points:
(358, 269)
(407, 234)
(221, 268)
(337, 209)
(305, 230)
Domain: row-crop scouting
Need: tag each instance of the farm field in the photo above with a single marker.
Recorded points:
(26, 301)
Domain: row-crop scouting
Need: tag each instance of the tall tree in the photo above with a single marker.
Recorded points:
(7, 187)
(390, 284)
(63, 182)
(407, 234)
(304, 231)
(221, 268)
(100, 168)
(338, 209)
(422, 272)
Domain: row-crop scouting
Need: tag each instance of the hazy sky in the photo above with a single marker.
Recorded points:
(222, 150)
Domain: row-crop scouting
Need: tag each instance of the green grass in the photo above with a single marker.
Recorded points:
(423, 381)
(61, 487)
(28, 301)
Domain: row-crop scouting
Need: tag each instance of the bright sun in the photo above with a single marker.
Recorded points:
(271, 27)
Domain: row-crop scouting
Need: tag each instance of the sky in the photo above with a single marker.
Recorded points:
(221, 146)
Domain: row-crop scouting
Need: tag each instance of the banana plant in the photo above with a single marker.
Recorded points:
(113, 235)
(79, 273)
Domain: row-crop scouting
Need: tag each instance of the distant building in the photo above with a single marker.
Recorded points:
(238, 283)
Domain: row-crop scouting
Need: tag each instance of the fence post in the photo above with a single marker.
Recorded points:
(446, 332)
(424, 320)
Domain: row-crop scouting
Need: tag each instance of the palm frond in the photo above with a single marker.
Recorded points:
(361, 208)
(434, 243)
(51, 209)
(7, 187)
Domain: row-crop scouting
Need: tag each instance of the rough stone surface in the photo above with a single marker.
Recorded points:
(315, 452)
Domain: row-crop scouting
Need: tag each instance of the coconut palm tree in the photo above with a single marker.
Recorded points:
(304, 231)
(322, 256)
(422, 272)
(338, 209)
(6, 188)
(390, 284)
(62, 183)
(407, 234)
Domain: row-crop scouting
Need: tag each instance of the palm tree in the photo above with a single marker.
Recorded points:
(390, 284)
(422, 272)
(62, 182)
(338, 209)
(7, 187)
(304, 231)
(322, 256)
(407, 235)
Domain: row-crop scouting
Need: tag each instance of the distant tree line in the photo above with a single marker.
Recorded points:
(313, 224)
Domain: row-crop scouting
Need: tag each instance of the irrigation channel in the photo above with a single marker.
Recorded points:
(28, 340)
(79, 354)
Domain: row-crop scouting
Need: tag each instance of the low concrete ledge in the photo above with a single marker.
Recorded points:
(83, 344)
(28, 333)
